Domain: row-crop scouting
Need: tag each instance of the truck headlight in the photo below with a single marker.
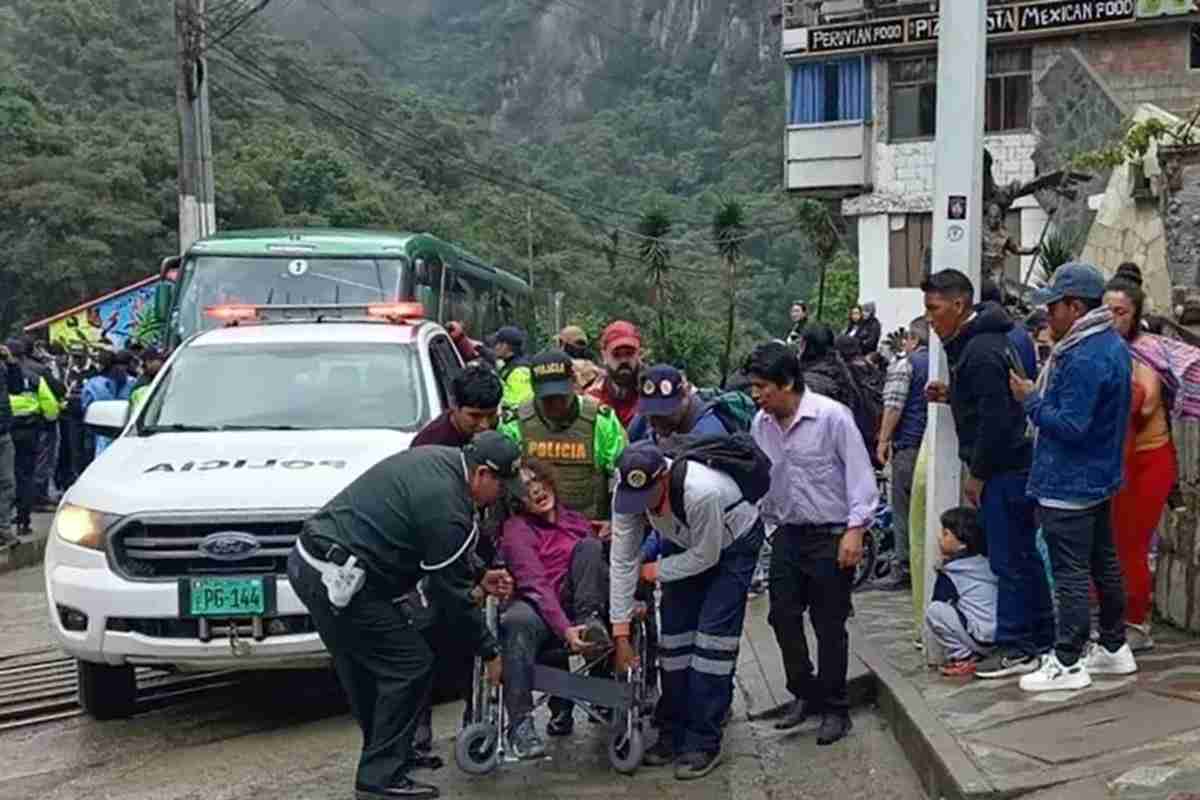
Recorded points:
(83, 526)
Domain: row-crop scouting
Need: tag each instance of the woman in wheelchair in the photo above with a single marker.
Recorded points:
(560, 574)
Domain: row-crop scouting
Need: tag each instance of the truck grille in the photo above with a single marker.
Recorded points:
(150, 550)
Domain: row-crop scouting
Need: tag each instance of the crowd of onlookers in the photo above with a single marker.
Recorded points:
(1063, 416)
(44, 445)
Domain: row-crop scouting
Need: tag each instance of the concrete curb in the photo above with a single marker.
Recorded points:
(28, 553)
(944, 768)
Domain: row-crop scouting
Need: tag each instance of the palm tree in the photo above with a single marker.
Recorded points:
(655, 252)
(728, 230)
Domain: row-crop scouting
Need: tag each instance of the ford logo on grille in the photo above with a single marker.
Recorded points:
(229, 545)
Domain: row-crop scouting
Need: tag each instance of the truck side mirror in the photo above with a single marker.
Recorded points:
(107, 417)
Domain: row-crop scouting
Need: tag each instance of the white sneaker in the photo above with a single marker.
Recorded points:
(1101, 662)
(1052, 676)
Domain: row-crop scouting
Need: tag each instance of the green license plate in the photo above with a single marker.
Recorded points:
(226, 597)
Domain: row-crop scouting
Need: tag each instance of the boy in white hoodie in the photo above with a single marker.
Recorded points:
(962, 615)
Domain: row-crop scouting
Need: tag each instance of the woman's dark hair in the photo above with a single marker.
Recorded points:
(1130, 272)
(818, 341)
(963, 522)
(848, 346)
(1137, 298)
(777, 363)
(854, 308)
(543, 472)
(476, 386)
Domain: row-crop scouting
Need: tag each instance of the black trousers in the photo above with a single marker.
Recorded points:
(1081, 547)
(383, 663)
(70, 450)
(805, 577)
(25, 440)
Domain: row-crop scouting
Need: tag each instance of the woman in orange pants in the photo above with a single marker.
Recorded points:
(1150, 470)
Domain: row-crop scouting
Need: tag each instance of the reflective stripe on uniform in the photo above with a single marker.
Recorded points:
(710, 666)
(674, 663)
(675, 641)
(724, 644)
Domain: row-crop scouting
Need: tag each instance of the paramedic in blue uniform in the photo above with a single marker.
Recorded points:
(414, 514)
(704, 584)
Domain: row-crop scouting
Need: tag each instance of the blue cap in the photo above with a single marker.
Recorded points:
(661, 391)
(638, 470)
(1073, 279)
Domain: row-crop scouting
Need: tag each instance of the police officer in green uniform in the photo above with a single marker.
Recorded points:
(580, 437)
(33, 405)
(412, 515)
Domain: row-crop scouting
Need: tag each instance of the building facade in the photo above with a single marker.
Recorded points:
(1063, 75)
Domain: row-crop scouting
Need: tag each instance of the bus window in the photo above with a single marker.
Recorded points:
(427, 280)
(458, 301)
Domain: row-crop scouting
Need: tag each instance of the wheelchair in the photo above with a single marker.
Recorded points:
(480, 746)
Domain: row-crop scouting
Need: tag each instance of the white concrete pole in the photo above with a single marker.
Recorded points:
(957, 229)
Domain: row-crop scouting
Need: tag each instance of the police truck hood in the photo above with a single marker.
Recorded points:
(239, 470)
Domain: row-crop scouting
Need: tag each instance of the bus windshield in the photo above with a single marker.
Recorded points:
(220, 280)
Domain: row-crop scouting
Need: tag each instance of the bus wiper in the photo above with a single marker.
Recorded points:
(178, 428)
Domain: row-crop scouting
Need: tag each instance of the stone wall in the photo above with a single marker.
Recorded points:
(1177, 577)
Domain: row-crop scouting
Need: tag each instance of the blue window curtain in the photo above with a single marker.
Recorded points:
(808, 93)
(810, 101)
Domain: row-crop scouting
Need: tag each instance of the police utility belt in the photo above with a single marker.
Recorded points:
(339, 569)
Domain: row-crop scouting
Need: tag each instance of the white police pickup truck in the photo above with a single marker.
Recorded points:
(171, 549)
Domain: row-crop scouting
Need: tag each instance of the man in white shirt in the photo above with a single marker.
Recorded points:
(710, 547)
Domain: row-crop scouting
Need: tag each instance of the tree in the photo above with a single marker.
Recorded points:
(655, 252)
(729, 230)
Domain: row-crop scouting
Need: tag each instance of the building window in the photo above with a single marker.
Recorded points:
(913, 94)
(831, 91)
(1194, 48)
(1009, 90)
(909, 242)
(913, 97)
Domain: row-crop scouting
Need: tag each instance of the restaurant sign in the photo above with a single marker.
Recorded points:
(1045, 16)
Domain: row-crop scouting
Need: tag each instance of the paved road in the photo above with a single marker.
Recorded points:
(288, 736)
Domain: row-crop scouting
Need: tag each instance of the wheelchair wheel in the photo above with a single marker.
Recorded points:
(476, 751)
(625, 750)
(866, 567)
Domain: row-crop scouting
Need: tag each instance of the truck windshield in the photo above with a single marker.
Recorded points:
(289, 386)
(296, 279)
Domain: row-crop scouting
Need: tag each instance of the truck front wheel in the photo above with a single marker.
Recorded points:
(106, 692)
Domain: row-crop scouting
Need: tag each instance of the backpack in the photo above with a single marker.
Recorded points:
(736, 455)
(735, 409)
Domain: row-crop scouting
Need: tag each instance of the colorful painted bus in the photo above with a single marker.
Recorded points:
(315, 266)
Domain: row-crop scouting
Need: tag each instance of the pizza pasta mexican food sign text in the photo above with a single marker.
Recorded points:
(1046, 16)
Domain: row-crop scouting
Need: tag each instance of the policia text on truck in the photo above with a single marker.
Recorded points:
(414, 514)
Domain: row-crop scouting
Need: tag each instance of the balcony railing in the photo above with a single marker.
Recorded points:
(828, 155)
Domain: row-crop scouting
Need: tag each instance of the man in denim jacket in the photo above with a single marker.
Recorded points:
(1080, 409)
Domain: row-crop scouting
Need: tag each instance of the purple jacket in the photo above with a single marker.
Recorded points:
(538, 556)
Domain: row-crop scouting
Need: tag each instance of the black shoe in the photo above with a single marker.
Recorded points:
(1007, 663)
(562, 722)
(834, 727)
(661, 755)
(403, 789)
(426, 761)
(796, 716)
(692, 766)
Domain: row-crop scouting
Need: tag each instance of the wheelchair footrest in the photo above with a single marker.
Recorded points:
(597, 691)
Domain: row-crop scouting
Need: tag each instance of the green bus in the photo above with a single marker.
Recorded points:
(318, 266)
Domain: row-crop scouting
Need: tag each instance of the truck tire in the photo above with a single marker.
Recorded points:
(106, 692)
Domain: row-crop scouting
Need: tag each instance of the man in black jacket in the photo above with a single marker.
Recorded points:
(411, 516)
(993, 446)
(8, 481)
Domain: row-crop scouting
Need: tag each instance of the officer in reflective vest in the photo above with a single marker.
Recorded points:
(580, 437)
(32, 406)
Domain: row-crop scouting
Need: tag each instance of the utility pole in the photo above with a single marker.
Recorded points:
(529, 239)
(957, 236)
(197, 209)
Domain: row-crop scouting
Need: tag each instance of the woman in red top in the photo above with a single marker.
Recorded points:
(1150, 470)
(560, 574)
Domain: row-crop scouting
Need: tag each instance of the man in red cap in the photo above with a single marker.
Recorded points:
(621, 349)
